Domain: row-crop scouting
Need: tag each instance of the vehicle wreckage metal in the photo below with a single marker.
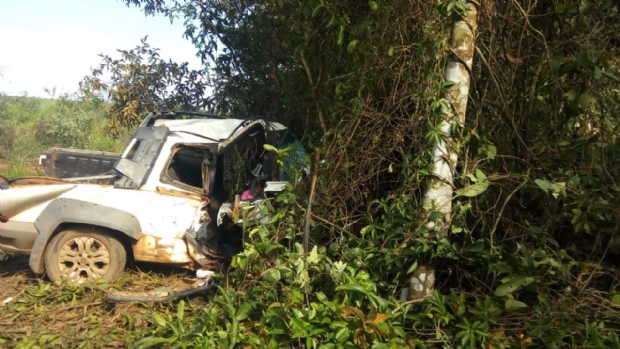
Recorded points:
(171, 198)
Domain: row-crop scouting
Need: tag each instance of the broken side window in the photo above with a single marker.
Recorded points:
(184, 169)
(241, 163)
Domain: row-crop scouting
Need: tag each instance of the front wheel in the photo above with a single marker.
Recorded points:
(84, 256)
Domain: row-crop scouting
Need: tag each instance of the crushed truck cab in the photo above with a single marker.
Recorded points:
(175, 196)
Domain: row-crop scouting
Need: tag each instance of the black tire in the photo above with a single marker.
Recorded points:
(84, 256)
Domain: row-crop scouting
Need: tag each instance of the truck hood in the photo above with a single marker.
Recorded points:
(16, 200)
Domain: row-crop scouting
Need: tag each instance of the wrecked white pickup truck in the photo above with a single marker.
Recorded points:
(171, 198)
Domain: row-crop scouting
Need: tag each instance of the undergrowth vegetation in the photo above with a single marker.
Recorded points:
(531, 258)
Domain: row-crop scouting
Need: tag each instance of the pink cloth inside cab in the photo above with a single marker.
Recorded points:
(246, 195)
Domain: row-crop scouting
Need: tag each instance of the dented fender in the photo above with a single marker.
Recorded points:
(153, 249)
(66, 210)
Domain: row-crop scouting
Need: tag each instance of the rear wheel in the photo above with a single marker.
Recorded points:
(84, 256)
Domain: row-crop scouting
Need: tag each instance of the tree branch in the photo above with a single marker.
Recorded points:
(304, 61)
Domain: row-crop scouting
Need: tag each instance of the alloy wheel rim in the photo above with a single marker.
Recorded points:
(83, 259)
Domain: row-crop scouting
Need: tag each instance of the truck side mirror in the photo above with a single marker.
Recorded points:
(4, 183)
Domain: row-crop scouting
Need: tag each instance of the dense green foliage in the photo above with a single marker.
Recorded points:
(141, 82)
(530, 259)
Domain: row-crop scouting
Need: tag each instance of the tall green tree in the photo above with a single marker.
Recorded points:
(139, 82)
(446, 142)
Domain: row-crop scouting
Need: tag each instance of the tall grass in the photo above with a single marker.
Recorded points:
(29, 125)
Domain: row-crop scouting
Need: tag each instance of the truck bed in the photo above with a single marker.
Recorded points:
(71, 163)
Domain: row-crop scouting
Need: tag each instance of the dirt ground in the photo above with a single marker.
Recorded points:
(35, 312)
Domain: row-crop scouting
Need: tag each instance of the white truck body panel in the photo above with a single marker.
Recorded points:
(165, 212)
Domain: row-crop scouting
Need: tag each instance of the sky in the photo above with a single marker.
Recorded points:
(54, 43)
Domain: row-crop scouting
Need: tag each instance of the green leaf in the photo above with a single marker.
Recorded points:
(298, 313)
(270, 148)
(556, 63)
(585, 100)
(299, 264)
(331, 21)
(366, 229)
(373, 5)
(286, 272)
(583, 59)
(391, 51)
(181, 310)
(299, 248)
(491, 151)
(149, 342)
(543, 184)
(351, 287)
(352, 45)
(435, 216)
(159, 319)
(314, 256)
(513, 285)
(474, 190)
(272, 275)
(277, 331)
(413, 267)
(570, 95)
(478, 246)
(597, 73)
(447, 84)
(242, 312)
(450, 7)
(342, 334)
(316, 10)
(564, 143)
(512, 304)
(341, 35)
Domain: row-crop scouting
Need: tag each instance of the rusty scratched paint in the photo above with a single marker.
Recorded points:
(178, 193)
(149, 249)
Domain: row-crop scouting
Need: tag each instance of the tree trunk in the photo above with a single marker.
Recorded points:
(440, 187)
